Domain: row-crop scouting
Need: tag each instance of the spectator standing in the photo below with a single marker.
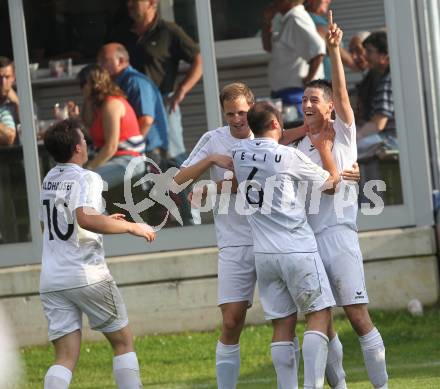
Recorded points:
(156, 47)
(8, 103)
(296, 51)
(142, 94)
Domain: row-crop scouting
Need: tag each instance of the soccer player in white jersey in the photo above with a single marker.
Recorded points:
(334, 224)
(74, 275)
(236, 265)
(290, 273)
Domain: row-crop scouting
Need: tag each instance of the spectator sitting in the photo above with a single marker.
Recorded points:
(357, 50)
(318, 9)
(381, 114)
(114, 130)
(142, 94)
(8, 103)
(296, 51)
(364, 91)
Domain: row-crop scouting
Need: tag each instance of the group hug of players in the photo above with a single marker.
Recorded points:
(304, 262)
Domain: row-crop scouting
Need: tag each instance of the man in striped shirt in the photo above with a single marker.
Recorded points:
(382, 105)
(8, 103)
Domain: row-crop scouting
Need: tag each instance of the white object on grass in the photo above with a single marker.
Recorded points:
(415, 307)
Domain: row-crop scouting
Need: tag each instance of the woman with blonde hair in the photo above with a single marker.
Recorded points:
(114, 127)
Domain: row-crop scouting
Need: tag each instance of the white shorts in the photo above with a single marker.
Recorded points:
(342, 258)
(291, 282)
(236, 275)
(101, 302)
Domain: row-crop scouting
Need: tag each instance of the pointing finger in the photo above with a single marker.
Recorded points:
(330, 18)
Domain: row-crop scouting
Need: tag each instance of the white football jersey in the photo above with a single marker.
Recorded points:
(231, 228)
(323, 210)
(72, 256)
(273, 179)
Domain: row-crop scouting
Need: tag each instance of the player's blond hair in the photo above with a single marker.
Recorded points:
(235, 90)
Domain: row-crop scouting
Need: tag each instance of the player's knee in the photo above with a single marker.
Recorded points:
(232, 323)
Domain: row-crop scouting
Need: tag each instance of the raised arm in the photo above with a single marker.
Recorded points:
(346, 57)
(340, 93)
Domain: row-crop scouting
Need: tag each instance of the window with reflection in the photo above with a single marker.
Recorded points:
(64, 36)
(370, 88)
(69, 29)
(68, 34)
(14, 212)
(371, 92)
(231, 19)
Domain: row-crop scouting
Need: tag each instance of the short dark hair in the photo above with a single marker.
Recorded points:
(324, 85)
(378, 40)
(61, 139)
(5, 61)
(260, 116)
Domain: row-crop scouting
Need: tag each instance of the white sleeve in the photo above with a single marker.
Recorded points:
(87, 192)
(344, 132)
(200, 151)
(302, 168)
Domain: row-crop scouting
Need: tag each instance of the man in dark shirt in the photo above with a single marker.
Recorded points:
(156, 47)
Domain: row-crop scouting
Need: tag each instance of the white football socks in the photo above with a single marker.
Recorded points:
(284, 361)
(373, 350)
(227, 365)
(57, 377)
(334, 371)
(126, 371)
(314, 350)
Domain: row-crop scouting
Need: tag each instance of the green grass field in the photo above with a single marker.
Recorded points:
(188, 360)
